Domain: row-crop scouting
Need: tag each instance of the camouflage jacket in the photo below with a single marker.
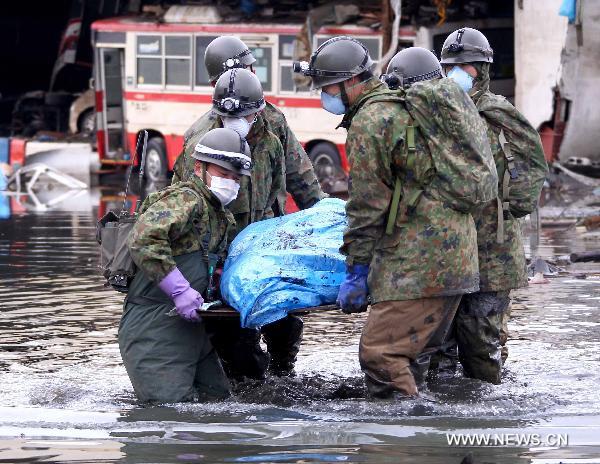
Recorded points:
(301, 181)
(174, 221)
(501, 265)
(260, 197)
(432, 250)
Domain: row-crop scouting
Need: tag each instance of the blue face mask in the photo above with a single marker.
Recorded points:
(461, 77)
(333, 104)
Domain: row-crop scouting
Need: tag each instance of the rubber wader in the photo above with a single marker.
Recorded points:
(168, 359)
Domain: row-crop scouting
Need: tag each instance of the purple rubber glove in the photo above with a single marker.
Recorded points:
(187, 300)
(353, 294)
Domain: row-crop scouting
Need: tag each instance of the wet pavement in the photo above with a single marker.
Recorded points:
(65, 396)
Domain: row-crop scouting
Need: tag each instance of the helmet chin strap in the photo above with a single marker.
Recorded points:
(344, 95)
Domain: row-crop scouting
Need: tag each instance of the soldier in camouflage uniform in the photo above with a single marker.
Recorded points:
(480, 324)
(169, 358)
(416, 273)
(261, 197)
(227, 52)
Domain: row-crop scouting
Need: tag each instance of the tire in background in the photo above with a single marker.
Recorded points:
(156, 160)
(326, 161)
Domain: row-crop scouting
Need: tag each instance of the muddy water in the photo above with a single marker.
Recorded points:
(64, 395)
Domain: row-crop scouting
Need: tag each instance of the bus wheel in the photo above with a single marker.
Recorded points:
(156, 160)
(326, 161)
(87, 123)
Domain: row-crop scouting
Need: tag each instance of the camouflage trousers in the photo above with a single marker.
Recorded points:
(478, 337)
(394, 338)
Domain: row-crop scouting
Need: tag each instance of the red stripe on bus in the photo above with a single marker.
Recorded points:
(101, 143)
(99, 94)
(127, 25)
(168, 97)
(174, 145)
(294, 102)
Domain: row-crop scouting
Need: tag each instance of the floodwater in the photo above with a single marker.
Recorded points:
(65, 396)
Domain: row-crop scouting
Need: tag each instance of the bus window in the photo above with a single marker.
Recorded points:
(286, 47)
(149, 60)
(263, 66)
(373, 44)
(286, 55)
(286, 81)
(202, 42)
(178, 54)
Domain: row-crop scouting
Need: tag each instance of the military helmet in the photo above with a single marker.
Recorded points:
(412, 65)
(225, 148)
(336, 60)
(238, 93)
(466, 45)
(224, 53)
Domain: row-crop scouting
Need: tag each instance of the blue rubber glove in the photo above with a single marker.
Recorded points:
(352, 297)
(187, 300)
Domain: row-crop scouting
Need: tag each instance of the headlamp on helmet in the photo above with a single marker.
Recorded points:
(236, 61)
(466, 45)
(230, 103)
(392, 81)
(302, 67)
(336, 60)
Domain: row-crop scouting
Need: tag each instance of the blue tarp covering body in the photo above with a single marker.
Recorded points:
(286, 263)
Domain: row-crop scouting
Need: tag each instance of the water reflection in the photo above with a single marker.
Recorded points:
(62, 382)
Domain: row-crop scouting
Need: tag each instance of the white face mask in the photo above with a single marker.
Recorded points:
(240, 125)
(226, 190)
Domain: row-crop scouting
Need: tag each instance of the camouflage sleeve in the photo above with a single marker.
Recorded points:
(178, 169)
(156, 229)
(301, 180)
(369, 144)
(278, 184)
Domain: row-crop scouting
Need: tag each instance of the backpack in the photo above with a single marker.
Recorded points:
(466, 177)
(117, 266)
(526, 167)
(112, 234)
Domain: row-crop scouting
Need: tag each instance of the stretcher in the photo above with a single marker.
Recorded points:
(217, 309)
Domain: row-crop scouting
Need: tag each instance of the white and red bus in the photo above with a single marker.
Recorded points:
(150, 75)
